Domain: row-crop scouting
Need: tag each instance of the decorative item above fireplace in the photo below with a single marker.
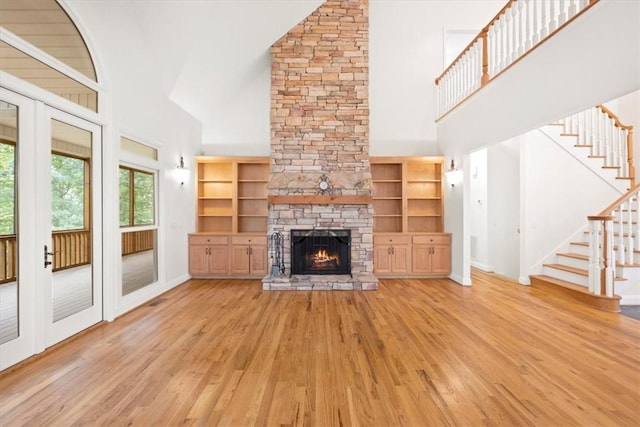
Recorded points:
(321, 251)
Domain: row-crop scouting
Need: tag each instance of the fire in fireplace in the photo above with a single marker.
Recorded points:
(320, 251)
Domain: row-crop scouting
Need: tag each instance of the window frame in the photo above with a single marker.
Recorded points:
(132, 170)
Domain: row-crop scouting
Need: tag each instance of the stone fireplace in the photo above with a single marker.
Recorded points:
(320, 171)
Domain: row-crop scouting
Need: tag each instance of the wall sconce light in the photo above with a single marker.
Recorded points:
(182, 173)
(454, 176)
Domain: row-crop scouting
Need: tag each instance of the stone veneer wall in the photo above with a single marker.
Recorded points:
(320, 126)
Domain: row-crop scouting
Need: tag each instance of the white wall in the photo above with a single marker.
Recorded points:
(558, 193)
(503, 164)
(406, 54)
(478, 211)
(139, 108)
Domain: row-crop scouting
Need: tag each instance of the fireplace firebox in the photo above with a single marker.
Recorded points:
(321, 251)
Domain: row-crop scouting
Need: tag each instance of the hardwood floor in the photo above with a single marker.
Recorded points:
(415, 353)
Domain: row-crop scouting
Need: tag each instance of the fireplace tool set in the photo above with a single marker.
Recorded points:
(276, 256)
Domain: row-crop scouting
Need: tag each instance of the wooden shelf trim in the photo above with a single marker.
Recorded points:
(320, 200)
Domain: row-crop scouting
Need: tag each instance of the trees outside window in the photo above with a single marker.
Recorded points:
(137, 197)
(7, 189)
(69, 191)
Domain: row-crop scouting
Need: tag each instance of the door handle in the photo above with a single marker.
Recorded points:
(47, 254)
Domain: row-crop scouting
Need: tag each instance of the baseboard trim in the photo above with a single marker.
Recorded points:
(487, 268)
(460, 280)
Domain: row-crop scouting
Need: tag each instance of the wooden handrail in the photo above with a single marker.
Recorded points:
(626, 196)
(629, 129)
(481, 34)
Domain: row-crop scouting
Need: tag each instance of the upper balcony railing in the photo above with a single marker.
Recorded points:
(516, 30)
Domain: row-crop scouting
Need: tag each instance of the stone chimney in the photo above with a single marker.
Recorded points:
(320, 132)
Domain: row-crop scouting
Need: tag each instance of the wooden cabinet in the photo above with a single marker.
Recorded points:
(208, 255)
(241, 256)
(431, 254)
(249, 255)
(407, 194)
(231, 194)
(392, 254)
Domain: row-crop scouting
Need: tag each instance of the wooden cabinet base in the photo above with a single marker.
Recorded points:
(215, 256)
(399, 255)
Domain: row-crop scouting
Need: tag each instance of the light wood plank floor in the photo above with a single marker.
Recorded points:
(414, 353)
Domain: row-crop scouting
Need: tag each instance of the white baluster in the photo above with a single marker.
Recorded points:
(573, 8)
(536, 26)
(509, 34)
(553, 23)
(503, 36)
(521, 24)
(544, 21)
(562, 13)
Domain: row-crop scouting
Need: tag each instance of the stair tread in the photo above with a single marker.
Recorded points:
(569, 134)
(562, 283)
(574, 270)
(574, 255)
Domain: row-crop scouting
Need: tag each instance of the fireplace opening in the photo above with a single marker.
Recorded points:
(320, 251)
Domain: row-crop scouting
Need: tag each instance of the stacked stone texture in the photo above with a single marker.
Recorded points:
(320, 95)
(320, 126)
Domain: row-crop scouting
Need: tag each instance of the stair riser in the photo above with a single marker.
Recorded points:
(578, 279)
(573, 262)
(579, 249)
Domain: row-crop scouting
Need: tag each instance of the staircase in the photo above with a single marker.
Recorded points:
(597, 139)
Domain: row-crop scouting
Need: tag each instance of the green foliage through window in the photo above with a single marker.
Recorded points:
(137, 197)
(68, 198)
(7, 189)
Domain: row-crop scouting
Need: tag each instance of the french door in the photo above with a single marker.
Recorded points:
(50, 226)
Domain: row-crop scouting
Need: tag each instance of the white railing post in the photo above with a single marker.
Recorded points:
(635, 202)
(619, 215)
(595, 261)
(609, 257)
(601, 255)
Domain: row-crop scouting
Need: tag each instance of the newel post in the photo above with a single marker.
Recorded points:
(601, 255)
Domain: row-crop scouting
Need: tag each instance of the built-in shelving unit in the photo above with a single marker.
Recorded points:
(407, 194)
(232, 195)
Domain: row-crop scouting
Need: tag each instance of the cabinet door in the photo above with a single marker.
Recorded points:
(219, 259)
(421, 259)
(401, 259)
(198, 260)
(382, 259)
(441, 259)
(240, 259)
(258, 254)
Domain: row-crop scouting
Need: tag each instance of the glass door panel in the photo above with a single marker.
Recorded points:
(72, 208)
(9, 285)
(17, 231)
(72, 283)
